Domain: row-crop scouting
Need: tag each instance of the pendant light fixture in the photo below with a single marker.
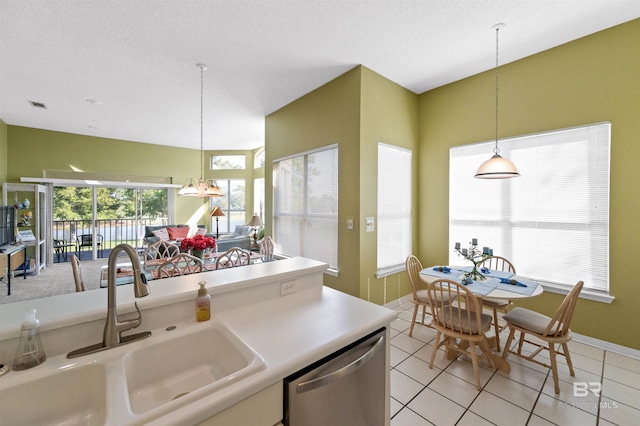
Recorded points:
(497, 167)
(201, 188)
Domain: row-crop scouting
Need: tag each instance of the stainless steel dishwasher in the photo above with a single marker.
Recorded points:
(345, 388)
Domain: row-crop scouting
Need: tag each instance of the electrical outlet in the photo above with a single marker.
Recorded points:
(288, 287)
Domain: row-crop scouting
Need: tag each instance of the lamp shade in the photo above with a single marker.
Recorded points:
(217, 211)
(255, 221)
(497, 168)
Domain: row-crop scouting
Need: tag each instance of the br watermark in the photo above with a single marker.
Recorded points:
(584, 390)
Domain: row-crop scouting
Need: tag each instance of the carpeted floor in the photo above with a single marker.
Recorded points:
(53, 280)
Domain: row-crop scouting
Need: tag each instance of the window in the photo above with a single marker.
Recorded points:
(553, 221)
(306, 205)
(258, 161)
(227, 162)
(258, 197)
(232, 204)
(394, 208)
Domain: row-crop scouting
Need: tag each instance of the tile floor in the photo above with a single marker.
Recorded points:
(447, 394)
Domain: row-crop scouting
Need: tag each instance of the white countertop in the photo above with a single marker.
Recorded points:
(288, 332)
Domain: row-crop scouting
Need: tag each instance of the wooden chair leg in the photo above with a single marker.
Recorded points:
(413, 321)
(512, 333)
(554, 367)
(474, 361)
(497, 328)
(565, 348)
(436, 344)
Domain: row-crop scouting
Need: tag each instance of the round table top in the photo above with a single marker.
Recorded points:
(494, 294)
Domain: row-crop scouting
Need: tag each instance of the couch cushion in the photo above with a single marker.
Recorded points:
(178, 233)
(161, 233)
(241, 230)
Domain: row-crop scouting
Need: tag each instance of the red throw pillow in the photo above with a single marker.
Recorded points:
(178, 233)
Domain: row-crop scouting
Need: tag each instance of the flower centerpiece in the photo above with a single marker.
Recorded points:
(475, 256)
(198, 244)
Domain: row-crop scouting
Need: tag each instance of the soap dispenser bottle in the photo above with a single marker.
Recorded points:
(30, 351)
(203, 303)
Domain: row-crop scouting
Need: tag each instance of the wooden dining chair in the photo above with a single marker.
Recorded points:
(420, 298)
(498, 263)
(461, 330)
(159, 252)
(553, 331)
(266, 249)
(77, 272)
(233, 257)
(180, 264)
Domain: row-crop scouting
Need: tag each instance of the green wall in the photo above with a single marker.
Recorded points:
(31, 152)
(4, 146)
(593, 79)
(356, 110)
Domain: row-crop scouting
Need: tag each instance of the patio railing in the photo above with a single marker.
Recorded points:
(113, 231)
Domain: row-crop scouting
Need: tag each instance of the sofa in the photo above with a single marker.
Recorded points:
(240, 237)
(150, 237)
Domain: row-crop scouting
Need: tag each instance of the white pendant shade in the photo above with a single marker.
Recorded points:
(497, 168)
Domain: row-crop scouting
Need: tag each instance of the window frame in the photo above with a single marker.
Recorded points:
(588, 176)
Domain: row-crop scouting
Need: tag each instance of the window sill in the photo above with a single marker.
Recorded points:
(597, 296)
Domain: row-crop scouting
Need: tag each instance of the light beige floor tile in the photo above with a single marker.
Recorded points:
(397, 355)
(472, 419)
(463, 369)
(406, 316)
(566, 381)
(403, 387)
(394, 407)
(498, 411)
(514, 392)
(400, 325)
(524, 375)
(406, 417)
(423, 333)
(623, 361)
(538, 421)
(454, 388)
(406, 343)
(621, 375)
(436, 408)
(621, 393)
(620, 414)
(418, 370)
(562, 413)
(586, 350)
(440, 360)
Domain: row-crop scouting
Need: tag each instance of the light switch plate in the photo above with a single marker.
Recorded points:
(350, 223)
(369, 222)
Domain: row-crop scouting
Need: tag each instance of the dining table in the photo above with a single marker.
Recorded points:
(495, 285)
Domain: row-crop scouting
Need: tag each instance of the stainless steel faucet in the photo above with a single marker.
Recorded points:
(113, 327)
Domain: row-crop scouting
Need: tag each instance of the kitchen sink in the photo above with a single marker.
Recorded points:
(71, 395)
(178, 367)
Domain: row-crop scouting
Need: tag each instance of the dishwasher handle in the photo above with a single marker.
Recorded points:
(346, 370)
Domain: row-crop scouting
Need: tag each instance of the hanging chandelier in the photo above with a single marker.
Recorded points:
(201, 188)
(497, 167)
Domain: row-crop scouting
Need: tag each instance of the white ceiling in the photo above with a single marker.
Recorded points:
(137, 59)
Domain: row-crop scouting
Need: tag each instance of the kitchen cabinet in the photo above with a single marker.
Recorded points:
(30, 219)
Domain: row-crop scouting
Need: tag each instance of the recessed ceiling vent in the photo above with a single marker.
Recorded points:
(38, 104)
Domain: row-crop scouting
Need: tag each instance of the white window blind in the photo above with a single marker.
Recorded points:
(553, 221)
(394, 208)
(306, 205)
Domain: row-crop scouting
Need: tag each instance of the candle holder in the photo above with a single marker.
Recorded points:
(475, 256)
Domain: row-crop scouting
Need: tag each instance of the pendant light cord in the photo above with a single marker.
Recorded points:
(201, 122)
(496, 150)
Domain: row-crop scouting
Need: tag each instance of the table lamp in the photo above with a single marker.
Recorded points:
(217, 212)
(255, 223)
